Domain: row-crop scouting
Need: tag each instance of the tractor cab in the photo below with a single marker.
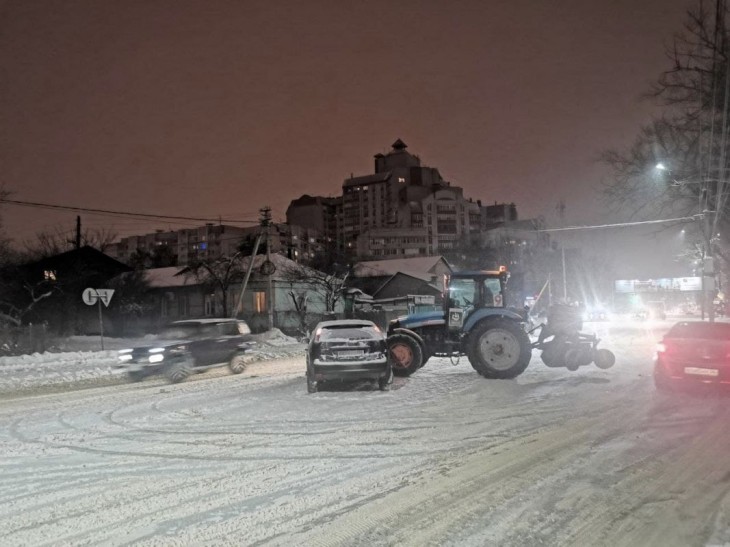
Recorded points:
(468, 291)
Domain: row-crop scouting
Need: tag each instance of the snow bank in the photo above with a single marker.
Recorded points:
(79, 363)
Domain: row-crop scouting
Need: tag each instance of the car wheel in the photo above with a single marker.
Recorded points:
(178, 372)
(237, 364)
(386, 381)
(312, 386)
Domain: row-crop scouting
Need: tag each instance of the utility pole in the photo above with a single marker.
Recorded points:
(263, 229)
(269, 269)
(78, 232)
(561, 212)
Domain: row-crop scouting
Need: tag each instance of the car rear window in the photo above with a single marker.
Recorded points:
(350, 333)
(706, 331)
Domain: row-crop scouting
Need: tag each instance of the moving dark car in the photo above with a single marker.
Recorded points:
(185, 347)
(693, 352)
(349, 349)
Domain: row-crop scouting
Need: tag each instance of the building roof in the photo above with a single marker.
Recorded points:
(375, 287)
(85, 256)
(175, 276)
(159, 278)
(416, 266)
(367, 179)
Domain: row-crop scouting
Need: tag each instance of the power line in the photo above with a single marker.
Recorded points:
(619, 225)
(141, 216)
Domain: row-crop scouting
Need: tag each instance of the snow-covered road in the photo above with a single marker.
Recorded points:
(446, 458)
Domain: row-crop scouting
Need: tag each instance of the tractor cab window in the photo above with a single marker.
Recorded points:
(462, 293)
(493, 293)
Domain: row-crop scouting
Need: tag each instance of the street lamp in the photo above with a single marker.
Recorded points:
(708, 269)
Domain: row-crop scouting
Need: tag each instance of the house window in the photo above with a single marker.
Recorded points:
(259, 302)
(49, 275)
(182, 306)
(210, 305)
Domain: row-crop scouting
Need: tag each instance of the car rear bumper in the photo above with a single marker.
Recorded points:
(669, 372)
(350, 370)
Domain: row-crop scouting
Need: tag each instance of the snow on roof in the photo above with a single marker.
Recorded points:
(416, 266)
(167, 277)
(159, 278)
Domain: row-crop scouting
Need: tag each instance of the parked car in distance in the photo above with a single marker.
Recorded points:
(693, 352)
(349, 349)
(652, 310)
(596, 313)
(186, 347)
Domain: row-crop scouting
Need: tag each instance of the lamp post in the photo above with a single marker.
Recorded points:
(706, 230)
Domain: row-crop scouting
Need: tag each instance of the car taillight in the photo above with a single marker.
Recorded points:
(661, 347)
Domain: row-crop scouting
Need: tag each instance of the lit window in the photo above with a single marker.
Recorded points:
(49, 275)
(401, 179)
(259, 302)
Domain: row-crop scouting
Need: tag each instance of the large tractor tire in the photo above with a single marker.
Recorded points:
(405, 354)
(499, 348)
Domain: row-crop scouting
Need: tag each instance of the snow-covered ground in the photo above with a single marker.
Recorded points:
(592, 457)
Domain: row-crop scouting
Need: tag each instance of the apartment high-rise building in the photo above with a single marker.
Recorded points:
(404, 208)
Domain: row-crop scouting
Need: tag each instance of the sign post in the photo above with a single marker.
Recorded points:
(98, 296)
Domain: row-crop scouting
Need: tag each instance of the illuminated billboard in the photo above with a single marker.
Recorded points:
(658, 285)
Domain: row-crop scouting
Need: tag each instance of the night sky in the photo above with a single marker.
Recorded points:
(214, 108)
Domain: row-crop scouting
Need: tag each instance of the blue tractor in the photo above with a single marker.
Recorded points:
(474, 321)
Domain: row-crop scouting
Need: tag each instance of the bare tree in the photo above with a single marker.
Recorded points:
(218, 275)
(59, 240)
(18, 297)
(690, 137)
(305, 282)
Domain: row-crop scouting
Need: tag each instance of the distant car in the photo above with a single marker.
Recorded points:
(693, 352)
(652, 310)
(348, 349)
(185, 347)
(596, 314)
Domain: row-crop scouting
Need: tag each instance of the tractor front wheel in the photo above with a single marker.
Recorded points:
(405, 354)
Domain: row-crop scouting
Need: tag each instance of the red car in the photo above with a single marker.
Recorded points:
(693, 352)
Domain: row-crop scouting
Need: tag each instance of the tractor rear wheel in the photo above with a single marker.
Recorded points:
(405, 354)
(499, 348)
